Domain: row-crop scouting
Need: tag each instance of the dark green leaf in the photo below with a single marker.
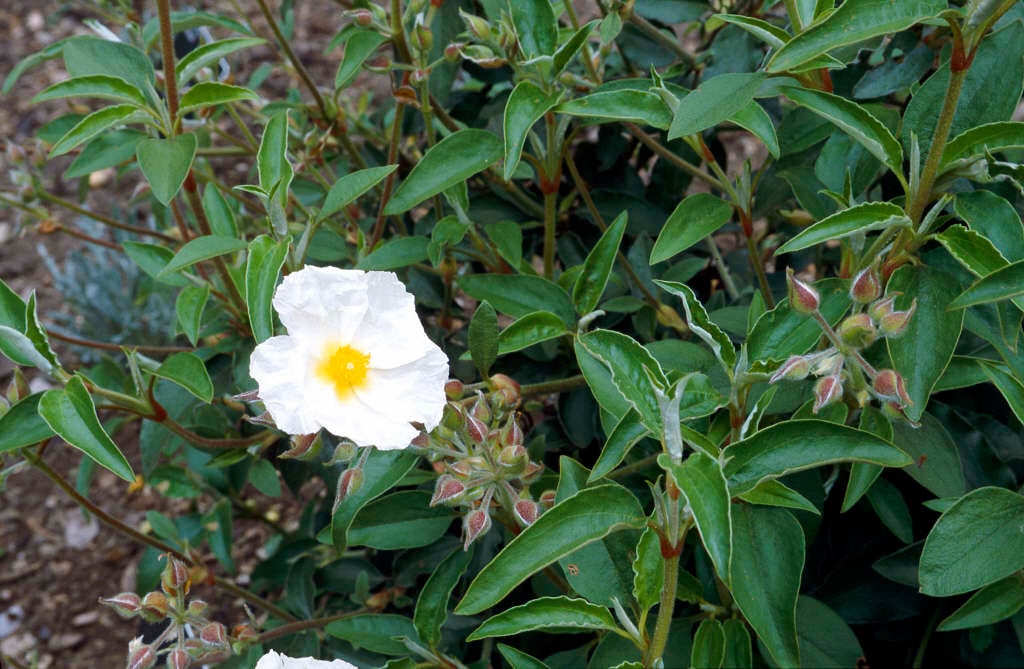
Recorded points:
(12, 308)
(536, 26)
(627, 433)
(529, 330)
(775, 493)
(152, 259)
(593, 278)
(396, 253)
(263, 477)
(648, 570)
(519, 295)
(972, 249)
(886, 500)
(825, 639)
(92, 125)
(432, 602)
(382, 470)
(566, 52)
(704, 486)
(22, 425)
(714, 101)
(210, 93)
(221, 216)
(696, 217)
(1002, 284)
(272, 159)
(87, 56)
(990, 137)
(782, 332)
(346, 189)
(199, 249)
(738, 651)
(400, 520)
(551, 614)
(262, 267)
(208, 54)
(525, 106)
(936, 459)
(95, 86)
(165, 163)
(189, 372)
(360, 46)
(375, 632)
(701, 325)
(995, 218)
(859, 218)
(483, 338)
(621, 105)
(634, 371)
(996, 601)
(517, 659)
(20, 349)
(708, 645)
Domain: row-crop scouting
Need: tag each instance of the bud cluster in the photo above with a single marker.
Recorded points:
(483, 464)
(841, 367)
(171, 603)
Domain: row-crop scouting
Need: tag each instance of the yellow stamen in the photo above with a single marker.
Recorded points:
(344, 367)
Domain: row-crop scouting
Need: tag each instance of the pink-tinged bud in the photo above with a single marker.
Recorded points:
(362, 17)
(463, 468)
(154, 606)
(894, 324)
(803, 298)
(476, 25)
(828, 390)
(446, 490)
(526, 511)
(214, 634)
(174, 579)
(482, 410)
(476, 429)
(795, 369)
(304, 447)
(345, 451)
(454, 417)
(514, 459)
(141, 657)
(127, 604)
(421, 37)
(546, 499)
(511, 434)
(482, 56)
(453, 52)
(349, 482)
(508, 388)
(454, 389)
(245, 633)
(532, 471)
(197, 608)
(857, 331)
(889, 386)
(866, 286)
(475, 524)
(883, 307)
(178, 659)
(196, 649)
(894, 411)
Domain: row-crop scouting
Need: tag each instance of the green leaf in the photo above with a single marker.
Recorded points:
(526, 105)
(519, 295)
(972, 249)
(569, 49)
(756, 120)
(693, 219)
(593, 278)
(977, 541)
(12, 308)
(400, 520)
(825, 639)
(704, 486)
(627, 433)
(36, 333)
(20, 349)
(263, 477)
(454, 159)
(852, 22)
(208, 54)
(110, 149)
(886, 500)
(769, 33)
(49, 52)
(862, 474)
(396, 253)
(517, 659)
(152, 259)
(803, 444)
(165, 163)
(995, 218)
(358, 48)
(92, 125)
(708, 649)
(551, 614)
(1009, 385)
(218, 523)
(483, 338)
(982, 139)
(189, 372)
(1002, 284)
(589, 515)
(859, 218)
(211, 93)
(272, 159)
(996, 601)
(262, 267)
(936, 460)
(782, 332)
(88, 56)
(775, 493)
(855, 121)
(536, 26)
(96, 86)
(22, 425)
(738, 651)
(924, 350)
(635, 372)
(346, 189)
(72, 415)
(382, 470)
(701, 325)
(200, 249)
(529, 330)
(376, 632)
(767, 561)
(621, 105)
(221, 216)
(648, 570)
(432, 602)
(714, 101)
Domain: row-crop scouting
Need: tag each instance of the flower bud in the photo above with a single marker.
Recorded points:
(245, 633)
(453, 52)
(214, 634)
(857, 331)
(127, 604)
(475, 524)
(526, 511)
(141, 656)
(883, 307)
(421, 37)
(546, 499)
(197, 608)
(447, 489)
(803, 298)
(482, 56)
(482, 410)
(507, 388)
(514, 459)
(796, 368)
(304, 447)
(894, 324)
(19, 388)
(866, 286)
(532, 471)
(511, 434)
(454, 417)
(476, 429)
(178, 659)
(454, 389)
(889, 386)
(154, 606)
(362, 17)
(476, 25)
(828, 390)
(349, 482)
(174, 579)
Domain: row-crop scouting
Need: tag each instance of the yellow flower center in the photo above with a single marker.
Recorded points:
(345, 368)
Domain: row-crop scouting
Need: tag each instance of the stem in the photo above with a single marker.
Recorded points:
(204, 226)
(389, 182)
(665, 609)
(723, 269)
(758, 266)
(549, 186)
(655, 146)
(86, 238)
(104, 346)
(550, 221)
(652, 31)
(588, 59)
(199, 440)
(115, 524)
(556, 386)
(300, 69)
(794, 16)
(105, 220)
(163, 8)
(301, 625)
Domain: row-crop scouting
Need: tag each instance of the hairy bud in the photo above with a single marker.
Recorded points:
(795, 369)
(349, 482)
(174, 579)
(546, 499)
(828, 390)
(447, 489)
(883, 307)
(477, 26)
(214, 634)
(155, 606)
(476, 429)
(475, 524)
(526, 511)
(304, 447)
(803, 298)
(889, 386)
(140, 656)
(178, 659)
(514, 459)
(127, 604)
(866, 286)
(857, 331)
(507, 388)
(454, 389)
(894, 324)
(197, 608)
(453, 52)
(362, 17)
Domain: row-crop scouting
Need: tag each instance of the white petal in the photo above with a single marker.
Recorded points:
(391, 331)
(412, 392)
(322, 303)
(273, 660)
(270, 661)
(280, 366)
(365, 424)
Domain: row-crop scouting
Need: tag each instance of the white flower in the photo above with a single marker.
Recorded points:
(273, 660)
(355, 361)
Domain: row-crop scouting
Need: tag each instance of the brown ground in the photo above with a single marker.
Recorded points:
(54, 563)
